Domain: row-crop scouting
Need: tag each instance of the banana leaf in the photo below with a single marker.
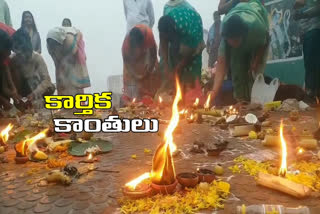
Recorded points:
(78, 149)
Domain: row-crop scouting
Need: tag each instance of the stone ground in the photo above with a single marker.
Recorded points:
(21, 191)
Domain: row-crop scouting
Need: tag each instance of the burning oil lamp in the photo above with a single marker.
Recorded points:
(283, 168)
(90, 158)
(163, 176)
(280, 182)
(303, 155)
(4, 136)
(207, 103)
(133, 102)
(28, 150)
(137, 189)
(160, 102)
(196, 103)
(183, 113)
(191, 118)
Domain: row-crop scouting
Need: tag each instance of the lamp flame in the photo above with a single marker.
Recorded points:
(196, 102)
(30, 143)
(207, 104)
(134, 183)
(90, 156)
(5, 133)
(283, 168)
(163, 171)
(160, 99)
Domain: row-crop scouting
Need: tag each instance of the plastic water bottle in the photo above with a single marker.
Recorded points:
(274, 209)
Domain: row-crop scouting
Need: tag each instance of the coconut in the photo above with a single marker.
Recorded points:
(251, 118)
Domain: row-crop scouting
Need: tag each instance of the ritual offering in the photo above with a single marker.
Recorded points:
(283, 185)
(136, 189)
(218, 169)
(271, 140)
(251, 118)
(28, 149)
(303, 155)
(212, 112)
(187, 179)
(280, 182)
(206, 175)
(4, 137)
(308, 144)
(240, 131)
(163, 175)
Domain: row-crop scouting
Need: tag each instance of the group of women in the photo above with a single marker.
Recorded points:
(24, 74)
(243, 48)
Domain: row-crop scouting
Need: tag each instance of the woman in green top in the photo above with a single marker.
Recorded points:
(181, 45)
(244, 47)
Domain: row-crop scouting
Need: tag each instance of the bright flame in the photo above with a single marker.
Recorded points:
(90, 156)
(207, 104)
(5, 133)
(30, 143)
(160, 99)
(283, 168)
(174, 120)
(300, 151)
(196, 102)
(191, 117)
(163, 171)
(182, 111)
(134, 100)
(133, 184)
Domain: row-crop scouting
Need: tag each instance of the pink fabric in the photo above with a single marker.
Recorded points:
(81, 54)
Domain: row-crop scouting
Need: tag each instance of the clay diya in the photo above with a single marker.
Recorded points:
(188, 179)
(165, 189)
(303, 155)
(206, 175)
(141, 191)
(20, 158)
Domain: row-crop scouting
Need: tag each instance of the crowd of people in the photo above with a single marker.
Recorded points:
(24, 74)
(237, 46)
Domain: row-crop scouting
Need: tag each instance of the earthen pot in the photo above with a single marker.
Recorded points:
(165, 189)
(206, 175)
(188, 179)
(142, 191)
(21, 160)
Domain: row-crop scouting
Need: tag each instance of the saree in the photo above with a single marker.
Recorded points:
(190, 29)
(239, 59)
(133, 87)
(71, 69)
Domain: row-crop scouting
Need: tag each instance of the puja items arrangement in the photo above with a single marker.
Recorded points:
(298, 180)
(152, 190)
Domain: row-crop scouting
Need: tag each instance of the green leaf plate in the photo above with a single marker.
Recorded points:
(78, 149)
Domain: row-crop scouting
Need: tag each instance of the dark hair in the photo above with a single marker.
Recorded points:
(5, 41)
(167, 26)
(234, 28)
(22, 40)
(136, 37)
(34, 26)
(67, 20)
